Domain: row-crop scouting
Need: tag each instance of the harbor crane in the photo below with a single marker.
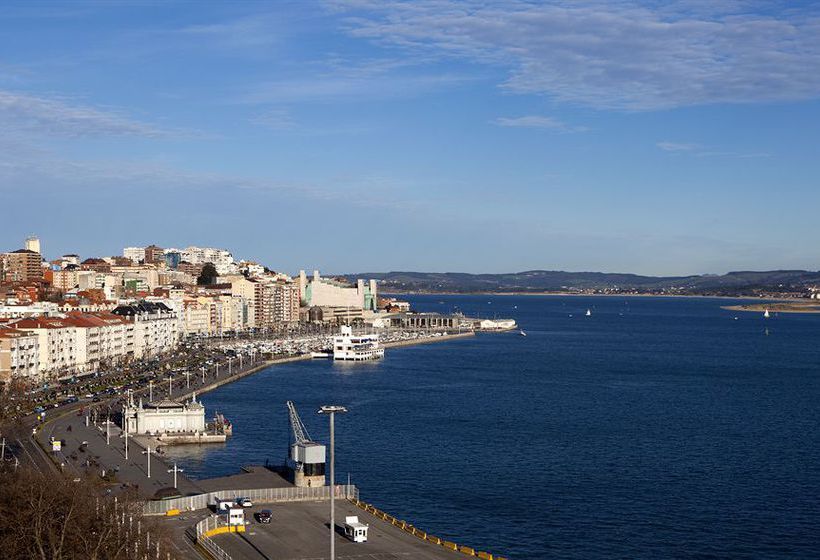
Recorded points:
(306, 458)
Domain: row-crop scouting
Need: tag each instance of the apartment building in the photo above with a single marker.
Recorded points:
(22, 265)
(57, 344)
(19, 355)
(156, 327)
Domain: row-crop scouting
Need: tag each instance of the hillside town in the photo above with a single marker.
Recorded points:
(75, 315)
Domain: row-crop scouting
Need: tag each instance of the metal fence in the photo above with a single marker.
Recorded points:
(209, 545)
(258, 495)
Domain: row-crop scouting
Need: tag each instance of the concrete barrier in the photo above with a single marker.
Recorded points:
(484, 555)
(450, 545)
(224, 529)
(466, 550)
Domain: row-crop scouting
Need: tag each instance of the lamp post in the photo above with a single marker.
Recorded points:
(188, 379)
(203, 375)
(151, 390)
(148, 453)
(175, 470)
(229, 364)
(331, 410)
(170, 387)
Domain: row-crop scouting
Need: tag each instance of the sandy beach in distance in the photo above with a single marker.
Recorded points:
(796, 307)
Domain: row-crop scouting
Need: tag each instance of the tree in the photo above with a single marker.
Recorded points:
(208, 275)
(47, 516)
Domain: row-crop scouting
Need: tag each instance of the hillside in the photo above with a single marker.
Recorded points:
(732, 283)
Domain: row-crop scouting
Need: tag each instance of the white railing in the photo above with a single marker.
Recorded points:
(205, 542)
(258, 495)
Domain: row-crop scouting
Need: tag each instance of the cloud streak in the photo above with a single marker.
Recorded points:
(537, 121)
(55, 117)
(612, 55)
(703, 151)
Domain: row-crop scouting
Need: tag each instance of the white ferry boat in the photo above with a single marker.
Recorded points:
(347, 346)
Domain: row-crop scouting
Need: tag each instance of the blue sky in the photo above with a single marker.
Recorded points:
(652, 137)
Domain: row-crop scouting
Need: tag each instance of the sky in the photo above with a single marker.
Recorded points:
(355, 135)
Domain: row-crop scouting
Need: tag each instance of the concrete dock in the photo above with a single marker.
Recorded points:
(299, 531)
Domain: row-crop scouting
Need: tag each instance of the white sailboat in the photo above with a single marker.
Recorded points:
(589, 313)
(522, 333)
(766, 314)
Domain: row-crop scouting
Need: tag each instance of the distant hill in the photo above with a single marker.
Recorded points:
(732, 283)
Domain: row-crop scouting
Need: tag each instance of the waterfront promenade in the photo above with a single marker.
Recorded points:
(86, 449)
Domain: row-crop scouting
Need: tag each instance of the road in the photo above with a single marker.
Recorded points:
(74, 424)
(299, 531)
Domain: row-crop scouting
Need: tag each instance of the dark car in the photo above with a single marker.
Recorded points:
(264, 516)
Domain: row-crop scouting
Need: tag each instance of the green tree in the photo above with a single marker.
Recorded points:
(208, 275)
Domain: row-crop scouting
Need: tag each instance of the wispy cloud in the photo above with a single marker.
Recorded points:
(20, 111)
(259, 30)
(537, 121)
(667, 146)
(704, 151)
(621, 55)
(27, 165)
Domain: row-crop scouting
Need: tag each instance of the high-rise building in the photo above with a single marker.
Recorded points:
(33, 244)
(22, 265)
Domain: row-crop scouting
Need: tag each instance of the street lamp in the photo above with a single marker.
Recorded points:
(125, 430)
(150, 390)
(331, 410)
(148, 452)
(175, 470)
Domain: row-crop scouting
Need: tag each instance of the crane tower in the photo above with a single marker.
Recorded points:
(306, 457)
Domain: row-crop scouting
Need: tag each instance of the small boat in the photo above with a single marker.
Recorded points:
(589, 313)
(766, 314)
(522, 333)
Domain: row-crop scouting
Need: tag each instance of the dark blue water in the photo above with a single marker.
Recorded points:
(656, 428)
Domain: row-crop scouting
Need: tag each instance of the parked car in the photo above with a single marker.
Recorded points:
(244, 502)
(264, 516)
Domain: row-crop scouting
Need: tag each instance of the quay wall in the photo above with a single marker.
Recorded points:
(428, 340)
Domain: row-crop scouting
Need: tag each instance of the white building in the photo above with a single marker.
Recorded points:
(33, 244)
(324, 292)
(19, 355)
(136, 254)
(165, 417)
(156, 327)
(56, 341)
(222, 259)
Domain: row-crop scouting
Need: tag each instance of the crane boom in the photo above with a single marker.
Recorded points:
(300, 433)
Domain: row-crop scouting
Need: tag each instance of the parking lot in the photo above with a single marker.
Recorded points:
(299, 531)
